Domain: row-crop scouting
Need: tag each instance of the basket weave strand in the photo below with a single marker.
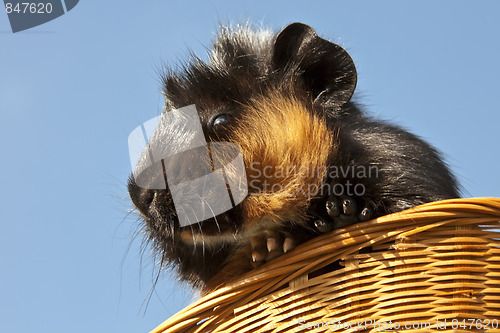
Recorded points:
(437, 264)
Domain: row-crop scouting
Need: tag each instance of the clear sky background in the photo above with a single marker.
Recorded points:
(73, 89)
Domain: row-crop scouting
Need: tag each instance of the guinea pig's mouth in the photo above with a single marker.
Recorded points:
(193, 236)
(221, 228)
(197, 234)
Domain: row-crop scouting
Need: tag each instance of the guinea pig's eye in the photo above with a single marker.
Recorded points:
(220, 120)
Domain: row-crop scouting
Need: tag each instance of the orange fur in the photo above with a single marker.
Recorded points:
(278, 132)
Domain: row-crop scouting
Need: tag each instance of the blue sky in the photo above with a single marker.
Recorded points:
(72, 90)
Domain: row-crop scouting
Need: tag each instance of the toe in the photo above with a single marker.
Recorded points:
(272, 240)
(322, 225)
(365, 215)
(332, 206)
(288, 244)
(258, 258)
(272, 244)
(348, 206)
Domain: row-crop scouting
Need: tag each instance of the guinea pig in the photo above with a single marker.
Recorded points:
(313, 159)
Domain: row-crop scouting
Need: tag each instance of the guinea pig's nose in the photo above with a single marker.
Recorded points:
(141, 197)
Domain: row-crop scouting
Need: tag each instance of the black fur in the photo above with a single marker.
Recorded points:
(243, 64)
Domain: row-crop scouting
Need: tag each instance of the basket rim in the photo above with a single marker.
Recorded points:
(325, 249)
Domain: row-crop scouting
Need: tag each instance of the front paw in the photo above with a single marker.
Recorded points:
(270, 244)
(342, 211)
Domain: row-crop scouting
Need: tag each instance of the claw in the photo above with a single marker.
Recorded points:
(323, 226)
(348, 206)
(272, 244)
(257, 256)
(332, 206)
(288, 244)
(365, 215)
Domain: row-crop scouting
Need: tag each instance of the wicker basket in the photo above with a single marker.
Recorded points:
(433, 268)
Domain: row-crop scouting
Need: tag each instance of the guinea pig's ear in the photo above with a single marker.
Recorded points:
(327, 70)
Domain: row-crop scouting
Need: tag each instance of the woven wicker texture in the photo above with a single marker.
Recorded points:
(432, 268)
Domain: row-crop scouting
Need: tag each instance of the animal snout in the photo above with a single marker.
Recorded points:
(142, 198)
